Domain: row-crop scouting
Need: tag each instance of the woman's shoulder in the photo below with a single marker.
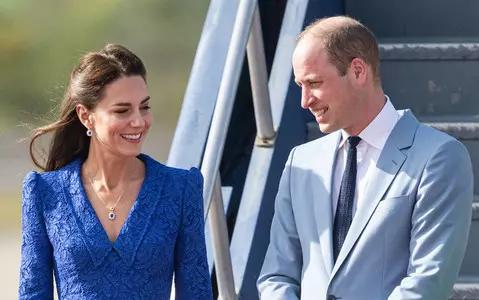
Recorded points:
(173, 174)
(48, 178)
(155, 165)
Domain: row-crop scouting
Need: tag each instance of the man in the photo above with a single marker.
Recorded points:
(380, 208)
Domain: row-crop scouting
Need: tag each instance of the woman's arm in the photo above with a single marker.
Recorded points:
(192, 278)
(36, 280)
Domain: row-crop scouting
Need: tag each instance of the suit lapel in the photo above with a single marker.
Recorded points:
(387, 167)
(324, 167)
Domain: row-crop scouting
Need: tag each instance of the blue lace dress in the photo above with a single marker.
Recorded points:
(163, 234)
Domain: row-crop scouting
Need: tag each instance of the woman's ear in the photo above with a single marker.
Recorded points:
(84, 115)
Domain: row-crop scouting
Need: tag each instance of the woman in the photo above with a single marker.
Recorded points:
(107, 220)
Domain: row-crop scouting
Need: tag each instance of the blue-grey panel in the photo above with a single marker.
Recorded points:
(433, 88)
(412, 18)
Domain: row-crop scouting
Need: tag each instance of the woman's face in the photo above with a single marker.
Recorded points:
(121, 119)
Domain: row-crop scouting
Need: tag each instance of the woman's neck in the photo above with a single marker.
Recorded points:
(111, 170)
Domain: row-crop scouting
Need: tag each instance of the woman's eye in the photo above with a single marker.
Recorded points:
(121, 111)
(146, 107)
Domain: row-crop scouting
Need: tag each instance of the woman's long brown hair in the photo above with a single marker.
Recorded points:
(87, 85)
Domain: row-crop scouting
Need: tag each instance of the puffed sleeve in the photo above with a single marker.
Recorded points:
(36, 278)
(192, 278)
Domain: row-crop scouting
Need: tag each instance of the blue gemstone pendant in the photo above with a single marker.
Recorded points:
(112, 215)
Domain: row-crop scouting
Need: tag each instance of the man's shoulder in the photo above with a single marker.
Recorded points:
(315, 147)
(430, 138)
(420, 136)
(324, 141)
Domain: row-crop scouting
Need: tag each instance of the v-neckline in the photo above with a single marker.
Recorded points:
(136, 224)
(132, 209)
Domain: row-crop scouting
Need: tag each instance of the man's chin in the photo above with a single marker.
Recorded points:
(326, 128)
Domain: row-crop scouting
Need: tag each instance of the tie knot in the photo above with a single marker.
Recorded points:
(353, 141)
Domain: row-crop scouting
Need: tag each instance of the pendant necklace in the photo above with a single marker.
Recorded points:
(111, 214)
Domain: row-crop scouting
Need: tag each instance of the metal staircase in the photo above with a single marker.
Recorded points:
(246, 38)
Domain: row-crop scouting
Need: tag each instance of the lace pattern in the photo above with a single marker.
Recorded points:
(163, 234)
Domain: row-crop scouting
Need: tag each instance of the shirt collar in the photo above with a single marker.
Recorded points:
(377, 132)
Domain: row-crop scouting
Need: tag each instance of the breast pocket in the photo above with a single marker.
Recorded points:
(393, 203)
(394, 209)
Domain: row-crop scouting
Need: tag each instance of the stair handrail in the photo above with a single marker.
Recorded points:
(216, 140)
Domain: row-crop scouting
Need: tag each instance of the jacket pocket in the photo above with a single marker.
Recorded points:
(393, 203)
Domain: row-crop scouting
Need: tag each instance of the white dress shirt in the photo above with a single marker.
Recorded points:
(373, 139)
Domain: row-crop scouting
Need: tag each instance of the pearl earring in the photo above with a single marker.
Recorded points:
(89, 132)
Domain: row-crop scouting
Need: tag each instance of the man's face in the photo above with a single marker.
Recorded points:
(329, 96)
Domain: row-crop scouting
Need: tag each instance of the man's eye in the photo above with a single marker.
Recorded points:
(146, 107)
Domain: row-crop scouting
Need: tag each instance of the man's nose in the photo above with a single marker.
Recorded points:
(306, 98)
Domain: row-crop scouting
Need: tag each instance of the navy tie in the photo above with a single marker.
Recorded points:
(344, 210)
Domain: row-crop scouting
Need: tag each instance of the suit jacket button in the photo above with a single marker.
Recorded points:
(332, 297)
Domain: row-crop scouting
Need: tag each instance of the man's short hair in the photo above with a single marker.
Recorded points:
(344, 39)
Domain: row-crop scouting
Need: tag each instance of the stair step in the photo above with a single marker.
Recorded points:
(432, 79)
(459, 130)
(465, 291)
(429, 51)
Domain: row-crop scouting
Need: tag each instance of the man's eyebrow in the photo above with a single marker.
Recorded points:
(308, 78)
(312, 78)
(129, 104)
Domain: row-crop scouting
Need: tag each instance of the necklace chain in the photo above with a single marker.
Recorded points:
(111, 214)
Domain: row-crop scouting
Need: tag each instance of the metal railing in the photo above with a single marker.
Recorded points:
(259, 84)
(247, 218)
(246, 36)
(221, 247)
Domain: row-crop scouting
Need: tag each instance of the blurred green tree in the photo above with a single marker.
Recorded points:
(41, 41)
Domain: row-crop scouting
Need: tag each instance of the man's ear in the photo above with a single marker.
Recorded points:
(360, 70)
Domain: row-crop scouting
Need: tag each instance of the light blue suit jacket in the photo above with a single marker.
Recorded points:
(406, 242)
